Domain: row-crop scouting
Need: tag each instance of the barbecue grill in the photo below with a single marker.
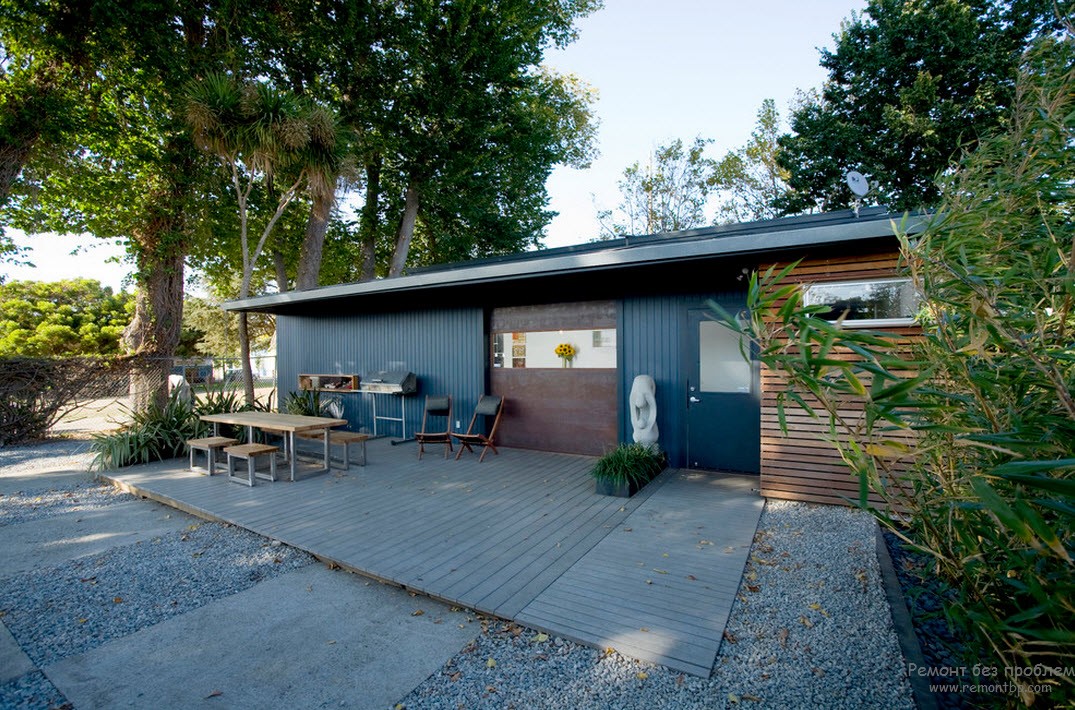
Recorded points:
(389, 382)
(394, 382)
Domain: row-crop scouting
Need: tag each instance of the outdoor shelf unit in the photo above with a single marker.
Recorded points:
(329, 383)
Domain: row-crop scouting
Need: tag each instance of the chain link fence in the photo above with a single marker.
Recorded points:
(82, 396)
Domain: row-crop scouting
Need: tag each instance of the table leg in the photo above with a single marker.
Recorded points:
(293, 457)
(328, 463)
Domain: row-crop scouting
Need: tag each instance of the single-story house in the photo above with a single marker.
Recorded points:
(630, 306)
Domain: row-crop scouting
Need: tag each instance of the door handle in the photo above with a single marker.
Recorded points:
(695, 400)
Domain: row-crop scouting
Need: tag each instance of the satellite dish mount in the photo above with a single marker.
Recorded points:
(859, 185)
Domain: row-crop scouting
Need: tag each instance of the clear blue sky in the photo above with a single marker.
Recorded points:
(663, 69)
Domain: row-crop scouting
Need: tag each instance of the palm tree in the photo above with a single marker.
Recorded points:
(262, 136)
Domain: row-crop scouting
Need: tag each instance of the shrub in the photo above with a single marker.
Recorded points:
(35, 392)
(160, 432)
(629, 464)
(155, 433)
(985, 486)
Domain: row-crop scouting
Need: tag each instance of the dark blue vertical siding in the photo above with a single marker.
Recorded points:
(652, 338)
(445, 348)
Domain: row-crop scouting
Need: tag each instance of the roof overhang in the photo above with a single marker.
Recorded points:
(625, 254)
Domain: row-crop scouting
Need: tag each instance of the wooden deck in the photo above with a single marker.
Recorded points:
(521, 536)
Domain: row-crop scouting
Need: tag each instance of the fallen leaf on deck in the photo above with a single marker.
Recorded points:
(491, 663)
(417, 612)
(649, 581)
(117, 600)
(330, 642)
(83, 621)
(628, 529)
(214, 694)
(541, 638)
(642, 675)
(660, 571)
(664, 554)
(733, 698)
(783, 636)
(645, 628)
(753, 698)
(692, 578)
(455, 676)
(806, 622)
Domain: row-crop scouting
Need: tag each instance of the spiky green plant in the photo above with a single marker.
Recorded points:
(630, 464)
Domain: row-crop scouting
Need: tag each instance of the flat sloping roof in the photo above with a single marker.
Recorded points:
(751, 238)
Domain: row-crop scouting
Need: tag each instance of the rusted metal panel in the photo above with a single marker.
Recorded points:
(580, 315)
(566, 410)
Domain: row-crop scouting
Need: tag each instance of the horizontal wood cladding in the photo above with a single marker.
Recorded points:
(580, 315)
(802, 465)
(566, 410)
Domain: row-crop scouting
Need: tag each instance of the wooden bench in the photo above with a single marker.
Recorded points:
(210, 445)
(250, 452)
(343, 438)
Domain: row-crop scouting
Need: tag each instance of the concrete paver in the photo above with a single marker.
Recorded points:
(310, 638)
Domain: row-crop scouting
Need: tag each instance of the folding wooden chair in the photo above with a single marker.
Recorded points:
(488, 406)
(436, 406)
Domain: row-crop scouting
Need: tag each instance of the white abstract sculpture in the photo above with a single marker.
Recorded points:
(643, 402)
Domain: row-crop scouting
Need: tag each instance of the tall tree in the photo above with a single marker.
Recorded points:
(667, 194)
(750, 179)
(262, 135)
(911, 84)
(125, 165)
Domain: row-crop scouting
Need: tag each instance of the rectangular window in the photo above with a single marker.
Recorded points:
(593, 349)
(873, 303)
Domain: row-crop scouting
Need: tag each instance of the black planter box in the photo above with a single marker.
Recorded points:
(620, 490)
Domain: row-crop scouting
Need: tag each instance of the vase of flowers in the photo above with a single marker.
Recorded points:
(565, 351)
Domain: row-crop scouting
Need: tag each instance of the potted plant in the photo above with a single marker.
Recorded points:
(626, 469)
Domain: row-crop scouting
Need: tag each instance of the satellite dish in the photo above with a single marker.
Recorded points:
(858, 184)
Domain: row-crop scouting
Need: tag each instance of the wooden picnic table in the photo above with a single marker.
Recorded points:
(290, 424)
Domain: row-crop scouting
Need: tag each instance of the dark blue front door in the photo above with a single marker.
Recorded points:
(722, 399)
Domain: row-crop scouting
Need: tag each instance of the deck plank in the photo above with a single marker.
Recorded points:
(522, 536)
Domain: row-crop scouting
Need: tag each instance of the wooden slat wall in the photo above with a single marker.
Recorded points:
(802, 466)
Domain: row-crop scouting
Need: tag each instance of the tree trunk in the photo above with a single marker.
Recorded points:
(153, 333)
(281, 270)
(13, 155)
(368, 223)
(244, 356)
(406, 231)
(316, 227)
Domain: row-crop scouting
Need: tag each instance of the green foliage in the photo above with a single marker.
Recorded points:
(305, 403)
(749, 178)
(911, 83)
(666, 194)
(971, 437)
(629, 464)
(155, 433)
(160, 431)
(65, 318)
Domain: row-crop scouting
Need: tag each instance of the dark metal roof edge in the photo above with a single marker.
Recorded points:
(621, 256)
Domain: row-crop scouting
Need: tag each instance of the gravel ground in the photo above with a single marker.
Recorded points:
(45, 456)
(810, 628)
(34, 504)
(54, 612)
(57, 611)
